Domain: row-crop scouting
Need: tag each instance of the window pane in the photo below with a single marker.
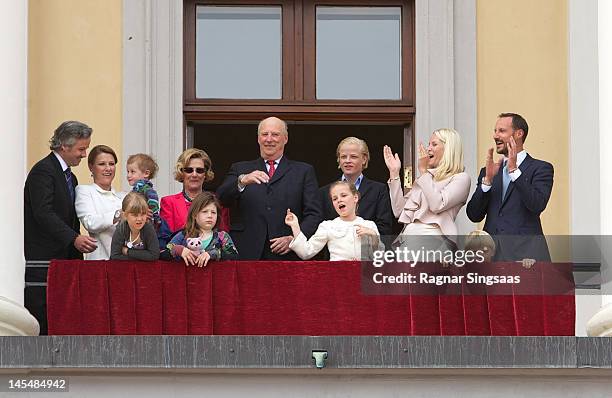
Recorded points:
(359, 53)
(238, 52)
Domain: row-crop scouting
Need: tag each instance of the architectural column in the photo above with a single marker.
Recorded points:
(153, 84)
(583, 98)
(601, 323)
(14, 318)
(446, 77)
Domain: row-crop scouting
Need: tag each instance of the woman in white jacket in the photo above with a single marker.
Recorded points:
(97, 205)
(344, 236)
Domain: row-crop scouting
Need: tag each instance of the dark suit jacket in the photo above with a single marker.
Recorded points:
(50, 221)
(518, 214)
(258, 212)
(374, 204)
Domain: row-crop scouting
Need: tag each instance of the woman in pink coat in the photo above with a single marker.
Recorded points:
(193, 169)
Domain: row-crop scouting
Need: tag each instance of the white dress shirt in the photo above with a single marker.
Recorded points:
(96, 209)
(61, 160)
(276, 163)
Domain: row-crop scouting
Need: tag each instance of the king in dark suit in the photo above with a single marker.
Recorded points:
(512, 193)
(353, 156)
(51, 227)
(260, 191)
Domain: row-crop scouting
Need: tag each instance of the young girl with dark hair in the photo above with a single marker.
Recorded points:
(199, 242)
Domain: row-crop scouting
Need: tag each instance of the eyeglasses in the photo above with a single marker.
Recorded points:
(189, 170)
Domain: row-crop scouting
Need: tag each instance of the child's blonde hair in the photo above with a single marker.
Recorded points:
(201, 201)
(144, 162)
(365, 151)
(478, 240)
(134, 203)
(350, 186)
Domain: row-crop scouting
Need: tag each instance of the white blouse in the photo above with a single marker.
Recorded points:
(339, 236)
(96, 209)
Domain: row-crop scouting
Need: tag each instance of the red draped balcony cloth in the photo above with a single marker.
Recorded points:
(285, 298)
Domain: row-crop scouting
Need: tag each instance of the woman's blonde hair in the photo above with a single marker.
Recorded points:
(186, 157)
(134, 203)
(452, 158)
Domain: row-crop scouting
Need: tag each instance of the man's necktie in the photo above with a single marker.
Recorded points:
(68, 175)
(272, 169)
(506, 180)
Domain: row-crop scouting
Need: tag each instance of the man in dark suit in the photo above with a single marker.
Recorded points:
(353, 156)
(512, 193)
(260, 192)
(51, 227)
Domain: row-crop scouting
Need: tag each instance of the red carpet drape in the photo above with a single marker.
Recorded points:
(289, 298)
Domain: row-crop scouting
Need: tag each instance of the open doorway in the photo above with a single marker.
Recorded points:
(315, 144)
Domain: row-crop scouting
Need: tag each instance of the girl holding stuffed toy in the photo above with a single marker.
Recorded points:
(134, 237)
(199, 242)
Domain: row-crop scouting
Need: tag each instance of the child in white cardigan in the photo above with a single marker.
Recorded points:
(344, 236)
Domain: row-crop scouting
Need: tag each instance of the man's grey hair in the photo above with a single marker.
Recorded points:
(68, 133)
(283, 123)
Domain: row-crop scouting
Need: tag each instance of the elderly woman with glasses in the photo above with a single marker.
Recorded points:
(193, 169)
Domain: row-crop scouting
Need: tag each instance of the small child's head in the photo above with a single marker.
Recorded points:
(135, 209)
(140, 167)
(203, 214)
(344, 197)
(481, 240)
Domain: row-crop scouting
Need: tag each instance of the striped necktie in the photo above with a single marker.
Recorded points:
(68, 175)
(272, 168)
